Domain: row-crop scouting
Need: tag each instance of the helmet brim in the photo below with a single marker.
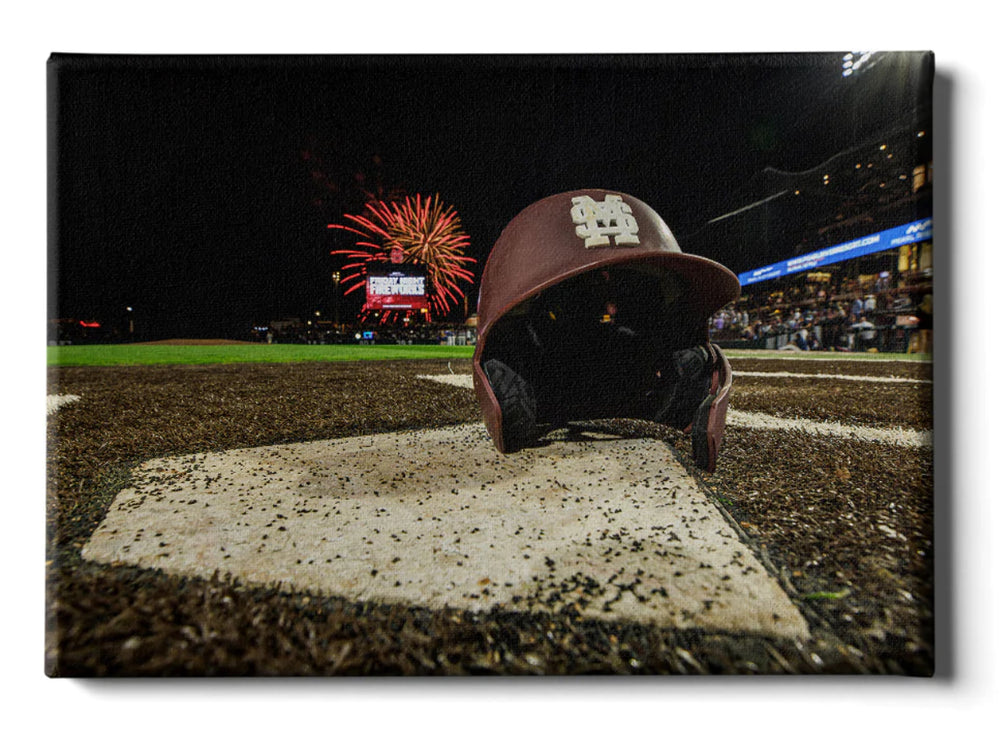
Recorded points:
(710, 286)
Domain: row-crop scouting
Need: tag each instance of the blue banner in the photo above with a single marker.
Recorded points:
(915, 231)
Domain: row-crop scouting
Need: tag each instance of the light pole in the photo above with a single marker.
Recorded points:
(336, 297)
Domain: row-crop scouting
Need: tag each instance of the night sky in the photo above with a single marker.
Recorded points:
(198, 189)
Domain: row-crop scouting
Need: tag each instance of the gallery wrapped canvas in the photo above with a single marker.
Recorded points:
(490, 365)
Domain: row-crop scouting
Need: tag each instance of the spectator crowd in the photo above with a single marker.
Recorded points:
(817, 316)
(299, 333)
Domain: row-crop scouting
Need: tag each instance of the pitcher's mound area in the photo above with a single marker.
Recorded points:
(611, 527)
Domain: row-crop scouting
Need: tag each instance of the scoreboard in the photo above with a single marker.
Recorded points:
(396, 291)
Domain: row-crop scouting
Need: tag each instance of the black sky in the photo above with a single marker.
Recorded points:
(197, 189)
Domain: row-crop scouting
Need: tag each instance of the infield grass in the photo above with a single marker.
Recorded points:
(108, 355)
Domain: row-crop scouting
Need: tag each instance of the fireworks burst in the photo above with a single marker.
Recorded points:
(417, 231)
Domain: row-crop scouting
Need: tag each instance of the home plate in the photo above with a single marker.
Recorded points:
(608, 527)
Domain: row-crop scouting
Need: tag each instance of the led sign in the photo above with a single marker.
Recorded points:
(396, 291)
(915, 231)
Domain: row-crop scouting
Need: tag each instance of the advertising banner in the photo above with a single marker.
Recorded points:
(915, 231)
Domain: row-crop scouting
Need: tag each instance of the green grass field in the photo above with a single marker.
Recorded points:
(107, 355)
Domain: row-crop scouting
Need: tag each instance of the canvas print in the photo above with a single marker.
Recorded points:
(490, 365)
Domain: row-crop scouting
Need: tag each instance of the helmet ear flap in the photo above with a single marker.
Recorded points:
(518, 405)
(699, 400)
(692, 370)
(709, 421)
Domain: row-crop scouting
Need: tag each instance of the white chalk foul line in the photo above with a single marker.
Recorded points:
(894, 436)
(827, 376)
(462, 381)
(755, 420)
(797, 356)
(53, 402)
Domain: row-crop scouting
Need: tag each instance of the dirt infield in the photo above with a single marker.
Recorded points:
(845, 526)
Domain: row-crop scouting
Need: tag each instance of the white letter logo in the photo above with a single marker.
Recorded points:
(598, 221)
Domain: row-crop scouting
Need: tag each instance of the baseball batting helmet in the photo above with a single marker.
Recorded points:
(588, 309)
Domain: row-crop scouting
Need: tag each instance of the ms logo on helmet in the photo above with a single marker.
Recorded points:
(600, 220)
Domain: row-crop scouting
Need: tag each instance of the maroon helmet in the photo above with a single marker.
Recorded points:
(588, 309)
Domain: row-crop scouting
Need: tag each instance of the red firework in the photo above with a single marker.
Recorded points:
(421, 231)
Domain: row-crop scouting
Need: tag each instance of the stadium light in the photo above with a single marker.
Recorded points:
(854, 61)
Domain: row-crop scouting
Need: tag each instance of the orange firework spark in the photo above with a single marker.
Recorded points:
(421, 231)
